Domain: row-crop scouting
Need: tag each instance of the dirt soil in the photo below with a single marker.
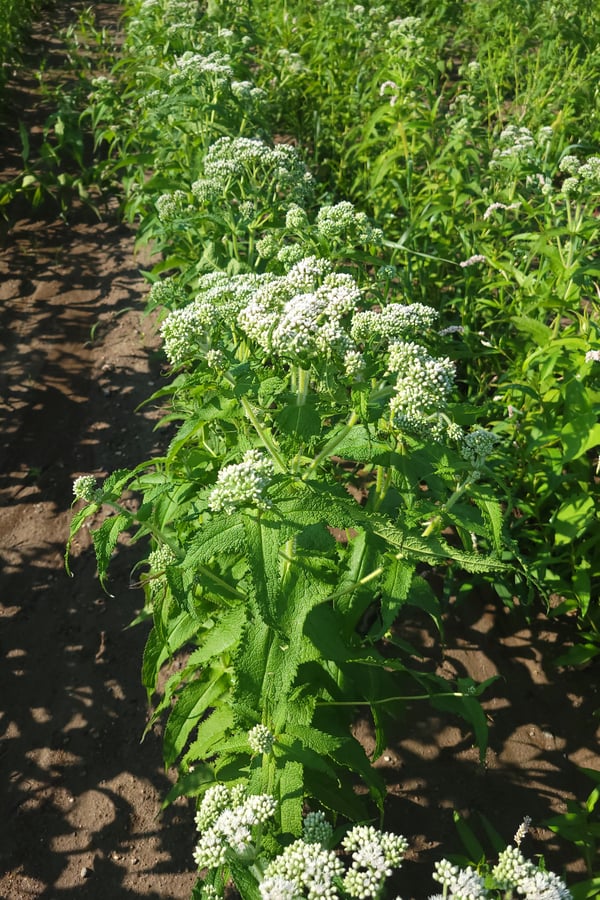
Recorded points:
(81, 794)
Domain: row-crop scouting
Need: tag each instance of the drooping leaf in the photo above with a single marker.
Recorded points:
(190, 705)
(105, 540)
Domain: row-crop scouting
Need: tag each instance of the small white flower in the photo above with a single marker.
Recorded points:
(592, 356)
(84, 488)
(473, 260)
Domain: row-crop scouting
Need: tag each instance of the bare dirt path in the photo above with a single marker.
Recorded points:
(80, 794)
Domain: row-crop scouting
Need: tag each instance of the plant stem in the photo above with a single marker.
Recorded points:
(331, 445)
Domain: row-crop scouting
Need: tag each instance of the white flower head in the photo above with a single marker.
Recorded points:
(84, 488)
(260, 739)
(243, 484)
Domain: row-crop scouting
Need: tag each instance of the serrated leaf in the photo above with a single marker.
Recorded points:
(291, 798)
(394, 587)
(222, 636)
(302, 421)
(105, 540)
(190, 705)
(209, 733)
(224, 534)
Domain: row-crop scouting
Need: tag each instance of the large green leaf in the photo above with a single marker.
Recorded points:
(211, 731)
(223, 635)
(190, 705)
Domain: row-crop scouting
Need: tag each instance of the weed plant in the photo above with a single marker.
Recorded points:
(377, 293)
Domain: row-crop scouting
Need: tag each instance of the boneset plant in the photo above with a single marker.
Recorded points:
(326, 440)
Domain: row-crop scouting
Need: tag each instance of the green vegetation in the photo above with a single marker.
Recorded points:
(16, 17)
(375, 234)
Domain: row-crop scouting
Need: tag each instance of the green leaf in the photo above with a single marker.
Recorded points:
(190, 784)
(221, 536)
(105, 540)
(210, 732)
(302, 421)
(291, 797)
(190, 705)
(572, 518)
(473, 847)
(586, 890)
(395, 588)
(224, 634)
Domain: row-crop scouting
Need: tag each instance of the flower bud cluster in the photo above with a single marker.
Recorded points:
(584, 178)
(260, 739)
(188, 331)
(316, 829)
(392, 322)
(190, 66)
(514, 143)
(242, 484)
(85, 488)
(167, 293)
(225, 820)
(514, 872)
(343, 221)
(295, 316)
(173, 206)
(477, 445)
(374, 856)
(463, 883)
(422, 387)
(302, 870)
(160, 558)
(251, 162)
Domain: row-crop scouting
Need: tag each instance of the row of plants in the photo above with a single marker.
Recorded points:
(378, 336)
(16, 17)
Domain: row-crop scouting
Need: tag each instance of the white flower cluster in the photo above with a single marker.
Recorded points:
(184, 332)
(422, 387)
(160, 558)
(296, 218)
(302, 870)
(225, 820)
(280, 168)
(584, 178)
(592, 356)
(459, 884)
(374, 855)
(513, 871)
(84, 488)
(191, 67)
(295, 316)
(246, 92)
(242, 484)
(187, 331)
(405, 34)
(514, 143)
(343, 221)
(260, 739)
(173, 205)
(392, 322)
(493, 207)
